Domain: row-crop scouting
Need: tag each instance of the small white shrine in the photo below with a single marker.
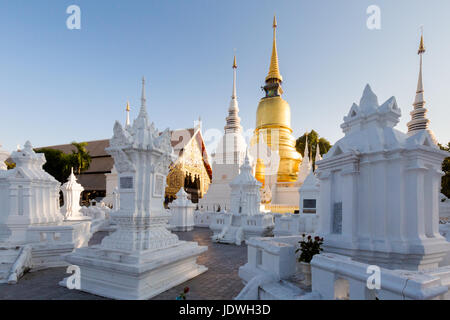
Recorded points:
(30, 217)
(142, 258)
(227, 159)
(72, 194)
(182, 212)
(244, 220)
(3, 156)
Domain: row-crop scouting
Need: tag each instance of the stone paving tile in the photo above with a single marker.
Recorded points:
(220, 282)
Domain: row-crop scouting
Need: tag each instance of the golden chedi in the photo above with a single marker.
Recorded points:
(273, 125)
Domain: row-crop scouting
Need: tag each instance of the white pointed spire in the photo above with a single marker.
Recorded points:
(233, 95)
(127, 109)
(419, 120)
(233, 120)
(143, 99)
(306, 153)
(318, 156)
(305, 166)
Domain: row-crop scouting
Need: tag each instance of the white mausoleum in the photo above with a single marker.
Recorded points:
(379, 190)
(30, 217)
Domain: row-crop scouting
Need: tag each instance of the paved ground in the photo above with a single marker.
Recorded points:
(220, 282)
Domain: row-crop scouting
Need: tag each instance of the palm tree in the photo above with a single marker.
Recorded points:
(81, 158)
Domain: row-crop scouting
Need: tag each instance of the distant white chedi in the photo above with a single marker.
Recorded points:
(227, 158)
(244, 220)
(142, 258)
(182, 212)
(30, 217)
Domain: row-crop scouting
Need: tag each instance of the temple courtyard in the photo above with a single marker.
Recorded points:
(220, 282)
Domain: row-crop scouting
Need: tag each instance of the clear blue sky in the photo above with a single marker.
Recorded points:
(59, 85)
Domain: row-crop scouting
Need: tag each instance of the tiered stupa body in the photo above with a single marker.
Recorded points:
(227, 159)
(142, 258)
(273, 126)
(245, 219)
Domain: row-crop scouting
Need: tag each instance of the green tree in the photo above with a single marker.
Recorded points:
(446, 168)
(313, 139)
(81, 160)
(57, 164)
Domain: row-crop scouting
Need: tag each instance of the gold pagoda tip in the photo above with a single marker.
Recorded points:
(274, 72)
(422, 46)
(234, 63)
(128, 106)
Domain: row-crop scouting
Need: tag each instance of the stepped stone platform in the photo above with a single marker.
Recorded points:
(220, 282)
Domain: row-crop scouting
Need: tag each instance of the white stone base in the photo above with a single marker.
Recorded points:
(121, 275)
(49, 243)
(234, 228)
(294, 224)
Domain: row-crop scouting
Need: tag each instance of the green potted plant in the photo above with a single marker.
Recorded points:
(309, 247)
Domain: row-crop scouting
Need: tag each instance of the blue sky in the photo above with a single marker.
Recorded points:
(58, 85)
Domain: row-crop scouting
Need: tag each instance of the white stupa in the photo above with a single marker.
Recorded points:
(142, 258)
(227, 159)
(244, 220)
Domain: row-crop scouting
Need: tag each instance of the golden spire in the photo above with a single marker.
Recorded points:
(234, 63)
(274, 72)
(422, 46)
(128, 106)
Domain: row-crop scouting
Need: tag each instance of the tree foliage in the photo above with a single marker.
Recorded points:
(313, 138)
(446, 168)
(59, 163)
(81, 160)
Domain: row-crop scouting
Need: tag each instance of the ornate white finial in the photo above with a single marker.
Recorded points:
(143, 99)
(418, 115)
